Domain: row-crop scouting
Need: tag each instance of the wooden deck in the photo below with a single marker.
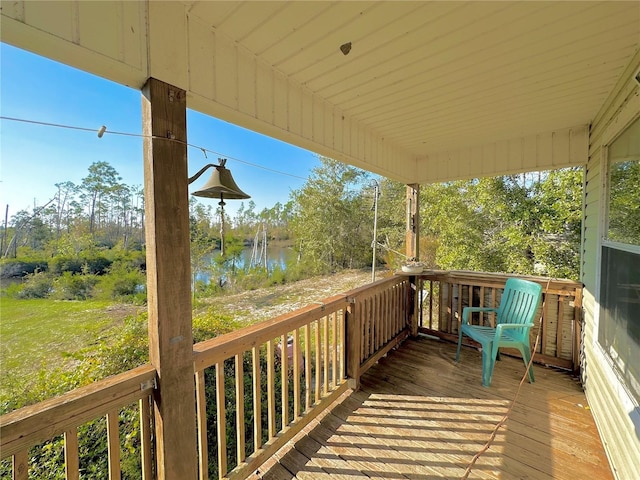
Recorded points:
(420, 415)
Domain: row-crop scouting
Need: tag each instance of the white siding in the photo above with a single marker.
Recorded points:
(617, 414)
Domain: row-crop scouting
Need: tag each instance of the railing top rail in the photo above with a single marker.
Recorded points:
(34, 424)
(454, 276)
(220, 348)
(225, 346)
(377, 286)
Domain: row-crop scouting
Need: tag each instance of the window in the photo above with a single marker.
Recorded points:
(619, 325)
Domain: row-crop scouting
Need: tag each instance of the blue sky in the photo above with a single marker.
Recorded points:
(34, 158)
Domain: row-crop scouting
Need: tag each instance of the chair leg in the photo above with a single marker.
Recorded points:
(526, 357)
(459, 345)
(495, 355)
(487, 365)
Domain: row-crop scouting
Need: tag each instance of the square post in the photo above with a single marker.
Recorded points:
(413, 251)
(413, 221)
(168, 278)
(353, 340)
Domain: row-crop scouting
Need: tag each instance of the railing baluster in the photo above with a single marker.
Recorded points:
(284, 372)
(543, 331)
(378, 319)
(307, 367)
(460, 300)
(559, 326)
(388, 312)
(240, 408)
(71, 460)
(382, 315)
(201, 414)
(492, 315)
(334, 350)
(482, 315)
(396, 306)
(257, 392)
(362, 326)
(342, 343)
(145, 437)
(296, 374)
(325, 353)
(21, 465)
(372, 320)
(318, 365)
(113, 444)
(366, 322)
(271, 394)
(431, 304)
(221, 421)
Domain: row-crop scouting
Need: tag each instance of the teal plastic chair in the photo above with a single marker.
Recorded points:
(514, 319)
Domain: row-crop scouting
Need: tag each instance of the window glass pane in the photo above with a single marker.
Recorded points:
(624, 187)
(624, 202)
(619, 326)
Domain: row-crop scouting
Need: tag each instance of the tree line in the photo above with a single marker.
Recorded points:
(527, 224)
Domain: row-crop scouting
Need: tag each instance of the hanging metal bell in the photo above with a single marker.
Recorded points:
(221, 185)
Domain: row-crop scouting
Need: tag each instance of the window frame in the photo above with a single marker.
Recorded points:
(610, 136)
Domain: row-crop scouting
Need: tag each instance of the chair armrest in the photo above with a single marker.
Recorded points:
(467, 310)
(503, 326)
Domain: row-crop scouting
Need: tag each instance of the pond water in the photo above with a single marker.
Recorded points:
(277, 256)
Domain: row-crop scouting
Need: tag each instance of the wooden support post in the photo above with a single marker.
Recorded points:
(168, 278)
(413, 221)
(413, 251)
(353, 345)
(577, 330)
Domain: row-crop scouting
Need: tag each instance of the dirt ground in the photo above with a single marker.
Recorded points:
(264, 303)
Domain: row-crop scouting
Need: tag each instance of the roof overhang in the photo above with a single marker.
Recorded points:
(429, 91)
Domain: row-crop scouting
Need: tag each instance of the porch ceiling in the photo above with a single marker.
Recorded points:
(429, 90)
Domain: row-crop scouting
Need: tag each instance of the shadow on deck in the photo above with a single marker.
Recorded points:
(420, 415)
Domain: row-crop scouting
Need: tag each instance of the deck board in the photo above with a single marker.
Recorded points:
(419, 415)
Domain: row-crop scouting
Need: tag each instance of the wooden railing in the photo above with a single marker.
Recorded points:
(443, 295)
(380, 320)
(294, 366)
(286, 371)
(257, 387)
(29, 426)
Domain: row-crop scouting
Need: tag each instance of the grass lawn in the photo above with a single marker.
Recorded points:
(40, 332)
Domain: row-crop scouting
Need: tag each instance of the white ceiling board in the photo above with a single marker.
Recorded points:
(421, 79)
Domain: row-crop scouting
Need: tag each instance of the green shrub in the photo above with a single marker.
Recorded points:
(96, 264)
(60, 264)
(211, 324)
(87, 263)
(71, 286)
(124, 285)
(18, 267)
(35, 285)
(130, 259)
(278, 276)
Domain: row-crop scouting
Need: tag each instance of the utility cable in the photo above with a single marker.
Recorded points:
(101, 131)
(515, 397)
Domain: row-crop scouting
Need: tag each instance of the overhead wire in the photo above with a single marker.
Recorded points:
(103, 130)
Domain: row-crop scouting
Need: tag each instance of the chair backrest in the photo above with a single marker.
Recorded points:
(519, 303)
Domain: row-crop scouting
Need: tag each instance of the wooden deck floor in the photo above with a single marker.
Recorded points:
(420, 415)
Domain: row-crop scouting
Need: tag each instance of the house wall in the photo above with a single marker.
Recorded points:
(616, 413)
